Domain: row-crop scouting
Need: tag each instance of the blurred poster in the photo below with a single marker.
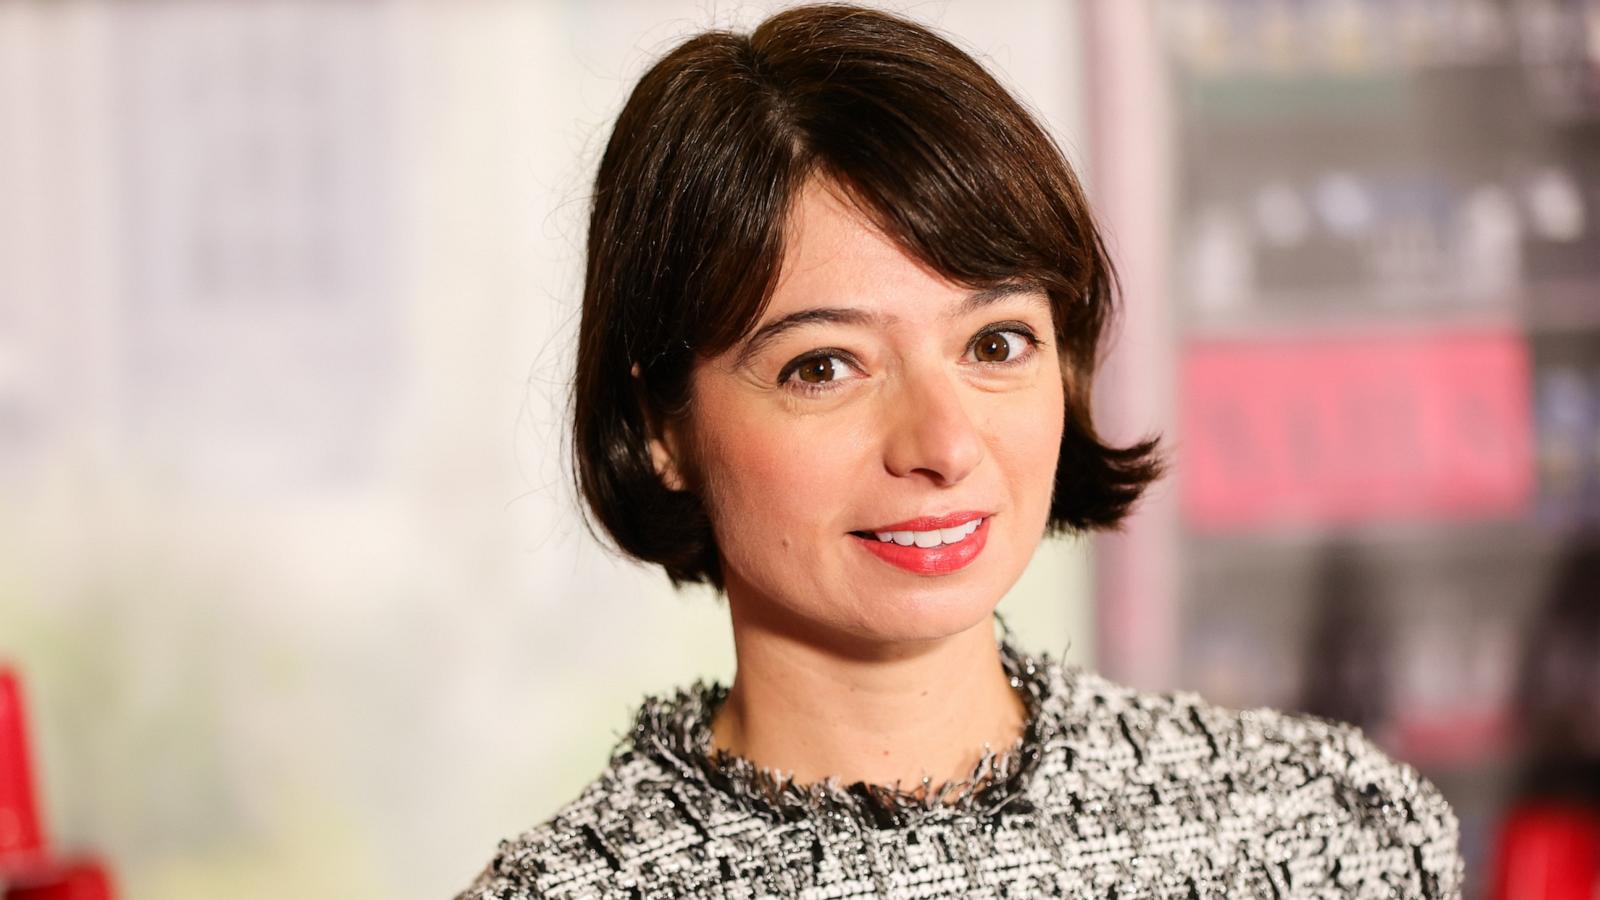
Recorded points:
(1351, 429)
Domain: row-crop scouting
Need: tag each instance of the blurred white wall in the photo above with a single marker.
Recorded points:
(289, 558)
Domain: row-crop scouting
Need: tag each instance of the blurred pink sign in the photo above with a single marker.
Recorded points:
(1351, 429)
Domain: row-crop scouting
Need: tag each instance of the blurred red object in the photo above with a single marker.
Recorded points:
(1549, 852)
(80, 880)
(27, 871)
(21, 837)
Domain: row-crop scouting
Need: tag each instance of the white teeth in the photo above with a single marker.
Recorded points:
(933, 538)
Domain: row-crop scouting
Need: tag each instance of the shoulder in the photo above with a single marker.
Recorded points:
(1305, 791)
(591, 845)
(1382, 821)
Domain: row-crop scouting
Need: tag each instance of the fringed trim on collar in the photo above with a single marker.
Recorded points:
(676, 731)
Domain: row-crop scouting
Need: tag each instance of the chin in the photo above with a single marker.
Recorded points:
(893, 612)
(933, 612)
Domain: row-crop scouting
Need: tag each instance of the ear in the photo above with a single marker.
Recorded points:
(664, 442)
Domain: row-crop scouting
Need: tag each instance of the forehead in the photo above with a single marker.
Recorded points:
(838, 265)
(831, 245)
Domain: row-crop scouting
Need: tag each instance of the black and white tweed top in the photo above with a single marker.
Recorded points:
(1110, 792)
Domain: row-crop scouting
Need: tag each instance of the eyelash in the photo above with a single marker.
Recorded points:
(807, 389)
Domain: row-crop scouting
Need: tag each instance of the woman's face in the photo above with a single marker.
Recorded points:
(873, 393)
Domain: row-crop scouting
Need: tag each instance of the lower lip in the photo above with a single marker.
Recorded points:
(938, 560)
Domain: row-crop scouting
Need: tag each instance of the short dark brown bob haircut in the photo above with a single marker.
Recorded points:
(686, 238)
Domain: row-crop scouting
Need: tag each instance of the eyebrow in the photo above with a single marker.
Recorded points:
(844, 315)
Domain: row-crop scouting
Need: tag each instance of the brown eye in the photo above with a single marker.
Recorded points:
(816, 371)
(818, 374)
(992, 347)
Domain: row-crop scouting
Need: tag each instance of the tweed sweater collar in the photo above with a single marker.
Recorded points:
(675, 730)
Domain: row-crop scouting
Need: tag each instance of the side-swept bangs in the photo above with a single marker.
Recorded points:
(689, 215)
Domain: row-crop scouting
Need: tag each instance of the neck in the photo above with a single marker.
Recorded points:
(898, 715)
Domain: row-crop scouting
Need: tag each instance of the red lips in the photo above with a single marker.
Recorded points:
(940, 560)
(929, 523)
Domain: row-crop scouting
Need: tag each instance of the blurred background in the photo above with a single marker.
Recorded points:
(292, 577)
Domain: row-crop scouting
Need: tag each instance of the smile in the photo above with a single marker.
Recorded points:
(927, 551)
(933, 538)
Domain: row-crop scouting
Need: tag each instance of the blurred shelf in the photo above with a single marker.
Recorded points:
(1544, 306)
(1564, 305)
(1520, 539)
(1351, 312)
(1360, 97)
(1255, 97)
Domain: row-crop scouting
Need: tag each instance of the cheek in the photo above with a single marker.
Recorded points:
(770, 476)
(1026, 440)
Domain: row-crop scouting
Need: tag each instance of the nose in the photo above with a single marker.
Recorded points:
(930, 431)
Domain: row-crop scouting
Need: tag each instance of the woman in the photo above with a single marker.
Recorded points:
(843, 304)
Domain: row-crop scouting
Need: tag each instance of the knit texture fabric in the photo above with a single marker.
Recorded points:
(1109, 792)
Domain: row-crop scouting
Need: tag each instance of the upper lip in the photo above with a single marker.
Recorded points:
(931, 523)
